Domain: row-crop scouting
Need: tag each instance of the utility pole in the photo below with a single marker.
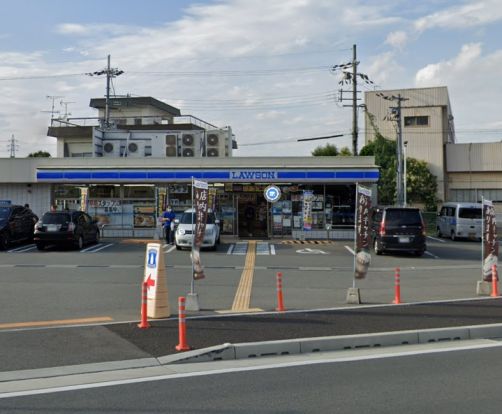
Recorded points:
(350, 76)
(395, 115)
(110, 74)
(354, 101)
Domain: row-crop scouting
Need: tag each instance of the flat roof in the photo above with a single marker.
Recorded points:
(130, 101)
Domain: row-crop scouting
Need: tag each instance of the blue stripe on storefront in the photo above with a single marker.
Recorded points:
(185, 175)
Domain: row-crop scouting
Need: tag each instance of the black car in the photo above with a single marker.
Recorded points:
(16, 224)
(398, 229)
(66, 227)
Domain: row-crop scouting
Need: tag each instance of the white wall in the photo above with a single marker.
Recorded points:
(36, 195)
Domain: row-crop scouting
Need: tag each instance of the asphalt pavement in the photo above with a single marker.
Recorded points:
(63, 346)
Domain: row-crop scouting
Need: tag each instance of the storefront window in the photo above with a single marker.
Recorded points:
(139, 192)
(104, 191)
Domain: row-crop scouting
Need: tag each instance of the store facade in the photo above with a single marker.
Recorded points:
(127, 198)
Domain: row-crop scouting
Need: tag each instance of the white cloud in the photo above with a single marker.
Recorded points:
(474, 13)
(237, 36)
(72, 28)
(397, 39)
(439, 73)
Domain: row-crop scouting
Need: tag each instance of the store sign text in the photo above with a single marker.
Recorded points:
(253, 175)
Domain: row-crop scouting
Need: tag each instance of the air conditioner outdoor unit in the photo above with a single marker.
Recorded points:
(132, 148)
(111, 149)
(171, 152)
(187, 140)
(213, 152)
(171, 145)
(212, 140)
(188, 152)
(188, 145)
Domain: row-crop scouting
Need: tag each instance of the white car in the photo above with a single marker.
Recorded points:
(185, 227)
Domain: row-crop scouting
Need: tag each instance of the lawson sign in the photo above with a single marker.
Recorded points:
(155, 175)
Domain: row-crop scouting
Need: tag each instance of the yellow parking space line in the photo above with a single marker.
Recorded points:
(55, 323)
(243, 294)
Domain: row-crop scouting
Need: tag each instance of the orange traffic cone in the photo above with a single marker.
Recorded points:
(144, 300)
(495, 283)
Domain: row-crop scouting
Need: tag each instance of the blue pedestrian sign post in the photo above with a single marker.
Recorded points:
(272, 193)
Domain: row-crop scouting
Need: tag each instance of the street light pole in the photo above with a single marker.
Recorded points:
(405, 143)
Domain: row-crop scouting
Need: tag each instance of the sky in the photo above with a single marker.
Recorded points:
(263, 67)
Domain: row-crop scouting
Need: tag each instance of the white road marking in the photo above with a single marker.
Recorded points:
(311, 251)
(436, 239)
(350, 250)
(96, 248)
(428, 253)
(272, 249)
(171, 248)
(22, 249)
(230, 249)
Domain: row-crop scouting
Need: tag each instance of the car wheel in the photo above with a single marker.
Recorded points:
(453, 236)
(438, 233)
(378, 248)
(4, 243)
(96, 238)
(80, 243)
(178, 247)
(419, 253)
(40, 246)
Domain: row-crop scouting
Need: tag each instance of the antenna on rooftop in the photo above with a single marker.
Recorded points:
(53, 111)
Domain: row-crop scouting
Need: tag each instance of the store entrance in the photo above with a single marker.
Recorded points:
(253, 216)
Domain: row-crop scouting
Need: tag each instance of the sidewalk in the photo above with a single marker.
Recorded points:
(44, 348)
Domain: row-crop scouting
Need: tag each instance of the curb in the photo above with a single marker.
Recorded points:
(253, 350)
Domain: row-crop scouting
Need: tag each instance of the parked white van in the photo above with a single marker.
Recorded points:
(460, 220)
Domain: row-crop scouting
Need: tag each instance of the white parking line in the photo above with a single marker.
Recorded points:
(22, 249)
(436, 239)
(230, 249)
(350, 250)
(430, 254)
(272, 249)
(171, 248)
(96, 248)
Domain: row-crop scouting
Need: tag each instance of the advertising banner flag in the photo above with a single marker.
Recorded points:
(490, 240)
(363, 232)
(308, 196)
(201, 196)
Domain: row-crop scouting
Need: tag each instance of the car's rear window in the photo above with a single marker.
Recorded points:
(4, 212)
(56, 218)
(469, 213)
(189, 218)
(400, 217)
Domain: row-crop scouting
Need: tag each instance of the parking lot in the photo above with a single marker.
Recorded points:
(103, 280)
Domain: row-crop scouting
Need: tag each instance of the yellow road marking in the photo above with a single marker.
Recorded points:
(243, 294)
(56, 322)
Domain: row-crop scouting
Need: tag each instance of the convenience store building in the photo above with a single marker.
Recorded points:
(126, 195)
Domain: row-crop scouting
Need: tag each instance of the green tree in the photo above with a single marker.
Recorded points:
(329, 150)
(384, 151)
(345, 152)
(421, 184)
(39, 154)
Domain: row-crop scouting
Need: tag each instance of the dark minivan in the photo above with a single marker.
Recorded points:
(75, 228)
(398, 229)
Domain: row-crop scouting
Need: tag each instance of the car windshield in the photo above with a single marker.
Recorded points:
(399, 217)
(469, 213)
(189, 218)
(56, 218)
(4, 212)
